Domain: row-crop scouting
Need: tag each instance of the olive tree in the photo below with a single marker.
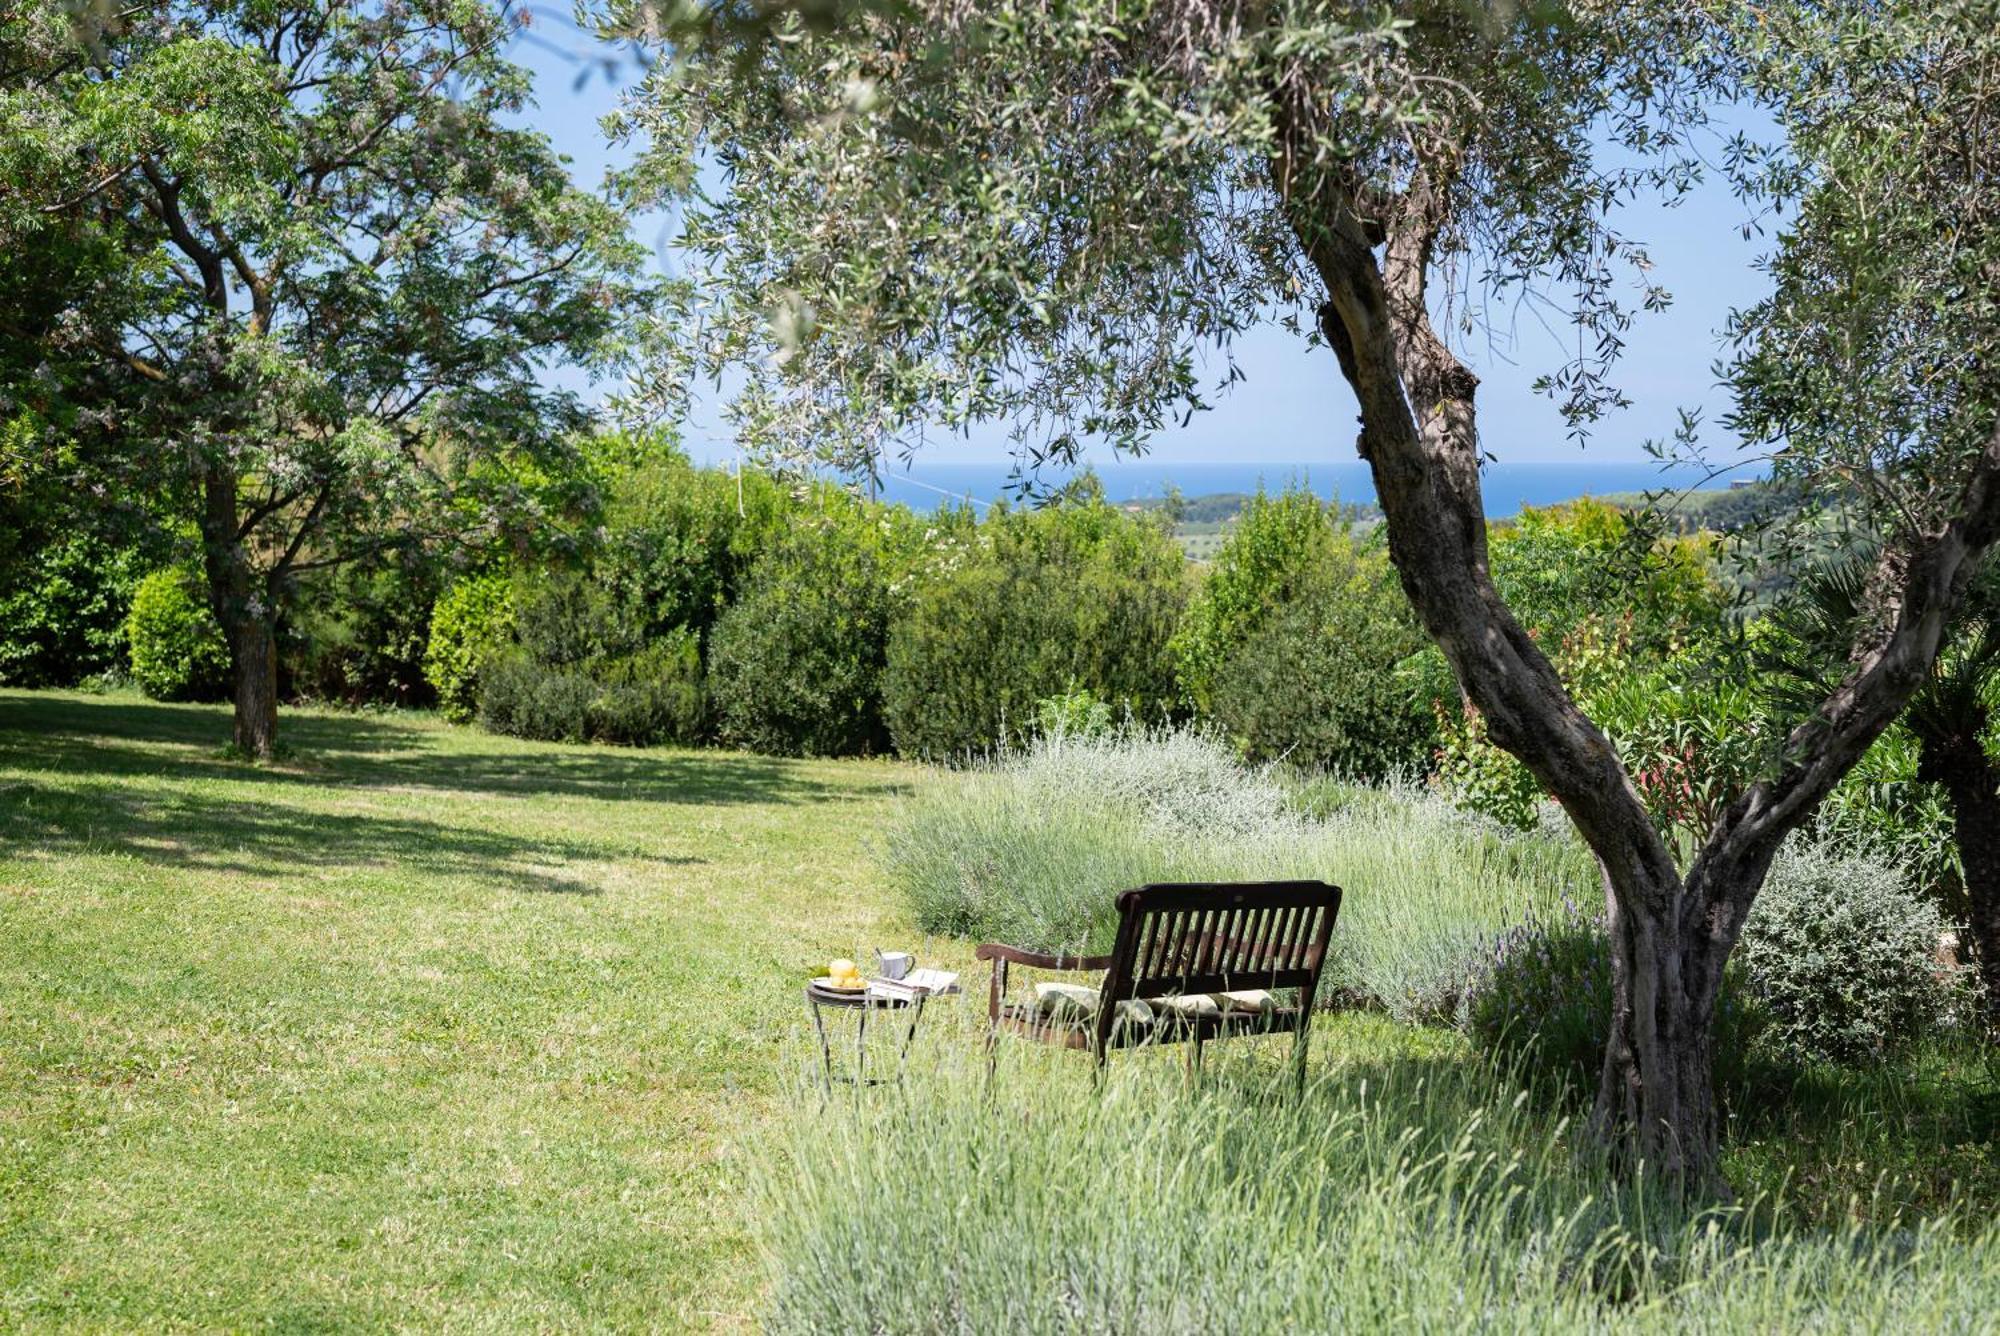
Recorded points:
(1046, 212)
(316, 276)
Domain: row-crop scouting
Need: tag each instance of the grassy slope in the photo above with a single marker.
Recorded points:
(423, 1028)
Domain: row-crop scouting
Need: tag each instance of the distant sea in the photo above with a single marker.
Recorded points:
(1506, 487)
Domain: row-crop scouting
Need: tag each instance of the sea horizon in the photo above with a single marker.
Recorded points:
(1506, 487)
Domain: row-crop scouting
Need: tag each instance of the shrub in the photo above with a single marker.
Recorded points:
(680, 541)
(1542, 1004)
(472, 623)
(642, 699)
(1402, 1192)
(1273, 551)
(1077, 597)
(1844, 957)
(1033, 847)
(65, 599)
(796, 665)
(1563, 565)
(1323, 683)
(651, 697)
(178, 652)
(525, 699)
(358, 634)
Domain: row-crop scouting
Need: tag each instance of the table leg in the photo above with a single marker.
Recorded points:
(825, 1057)
(861, 1046)
(909, 1036)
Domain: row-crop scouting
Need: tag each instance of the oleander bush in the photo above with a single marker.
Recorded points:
(178, 652)
(1844, 956)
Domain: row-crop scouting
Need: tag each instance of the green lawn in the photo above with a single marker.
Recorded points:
(426, 1028)
(421, 1028)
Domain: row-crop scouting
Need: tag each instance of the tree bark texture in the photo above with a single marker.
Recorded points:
(244, 608)
(1671, 934)
(1971, 781)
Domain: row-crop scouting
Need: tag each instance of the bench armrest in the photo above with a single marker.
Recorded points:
(1036, 960)
(1002, 956)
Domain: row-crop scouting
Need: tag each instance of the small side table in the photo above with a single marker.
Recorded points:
(857, 1000)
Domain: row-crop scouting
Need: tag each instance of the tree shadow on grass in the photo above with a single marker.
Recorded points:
(121, 736)
(215, 834)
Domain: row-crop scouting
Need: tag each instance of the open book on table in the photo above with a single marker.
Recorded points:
(924, 981)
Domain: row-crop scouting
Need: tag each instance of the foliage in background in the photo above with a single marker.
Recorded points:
(1845, 957)
(1031, 604)
(797, 662)
(679, 540)
(359, 634)
(648, 697)
(1637, 624)
(1301, 645)
(177, 649)
(471, 623)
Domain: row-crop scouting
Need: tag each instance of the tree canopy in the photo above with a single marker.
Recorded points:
(303, 265)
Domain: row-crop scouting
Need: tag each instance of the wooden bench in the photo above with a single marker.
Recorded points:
(1186, 939)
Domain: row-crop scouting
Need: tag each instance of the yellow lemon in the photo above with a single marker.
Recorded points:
(841, 969)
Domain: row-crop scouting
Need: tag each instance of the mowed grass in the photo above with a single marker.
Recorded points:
(421, 1028)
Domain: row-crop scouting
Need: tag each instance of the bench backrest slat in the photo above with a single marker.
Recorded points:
(1201, 937)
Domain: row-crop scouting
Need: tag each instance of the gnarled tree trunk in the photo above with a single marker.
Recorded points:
(1971, 781)
(1671, 933)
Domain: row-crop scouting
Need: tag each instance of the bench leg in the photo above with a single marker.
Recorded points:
(1194, 1058)
(1299, 1043)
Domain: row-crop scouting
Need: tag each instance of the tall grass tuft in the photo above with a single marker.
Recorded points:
(1033, 848)
(1403, 1193)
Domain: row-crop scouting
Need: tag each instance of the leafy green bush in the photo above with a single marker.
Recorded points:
(472, 623)
(1844, 956)
(178, 652)
(653, 696)
(525, 699)
(680, 541)
(795, 667)
(1542, 1004)
(358, 635)
(1273, 553)
(1324, 682)
(1076, 597)
(64, 606)
(643, 699)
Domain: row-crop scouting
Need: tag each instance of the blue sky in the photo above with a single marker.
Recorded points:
(1293, 407)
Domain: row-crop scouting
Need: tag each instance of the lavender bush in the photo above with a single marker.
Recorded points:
(1543, 1002)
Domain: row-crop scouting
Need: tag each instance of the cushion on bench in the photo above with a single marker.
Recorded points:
(1074, 1002)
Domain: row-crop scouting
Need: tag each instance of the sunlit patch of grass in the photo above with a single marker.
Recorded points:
(418, 1028)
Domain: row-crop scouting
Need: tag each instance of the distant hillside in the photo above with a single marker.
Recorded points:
(1205, 520)
(1719, 509)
